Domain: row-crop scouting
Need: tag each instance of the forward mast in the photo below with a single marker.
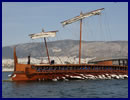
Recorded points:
(44, 35)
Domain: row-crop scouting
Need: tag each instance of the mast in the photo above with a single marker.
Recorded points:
(47, 50)
(80, 39)
(80, 17)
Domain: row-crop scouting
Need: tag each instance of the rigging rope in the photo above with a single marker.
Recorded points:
(70, 29)
(33, 43)
(108, 33)
(54, 52)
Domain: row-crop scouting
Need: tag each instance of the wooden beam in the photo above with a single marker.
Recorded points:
(80, 40)
(47, 51)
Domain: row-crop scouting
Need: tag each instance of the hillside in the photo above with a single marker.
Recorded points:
(69, 48)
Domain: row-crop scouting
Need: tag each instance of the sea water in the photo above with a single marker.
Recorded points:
(113, 88)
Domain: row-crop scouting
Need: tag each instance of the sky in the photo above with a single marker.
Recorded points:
(19, 19)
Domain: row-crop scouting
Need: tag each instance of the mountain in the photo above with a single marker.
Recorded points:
(97, 49)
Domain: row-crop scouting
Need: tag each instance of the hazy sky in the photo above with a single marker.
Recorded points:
(21, 19)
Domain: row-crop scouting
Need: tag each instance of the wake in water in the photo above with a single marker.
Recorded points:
(92, 77)
(85, 76)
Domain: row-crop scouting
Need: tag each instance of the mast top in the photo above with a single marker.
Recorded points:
(82, 16)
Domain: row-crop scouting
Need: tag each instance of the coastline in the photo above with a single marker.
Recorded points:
(7, 70)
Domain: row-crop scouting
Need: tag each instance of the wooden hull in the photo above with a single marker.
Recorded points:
(27, 72)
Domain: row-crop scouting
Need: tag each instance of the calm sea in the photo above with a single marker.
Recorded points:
(65, 89)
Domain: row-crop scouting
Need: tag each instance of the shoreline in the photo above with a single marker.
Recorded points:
(7, 70)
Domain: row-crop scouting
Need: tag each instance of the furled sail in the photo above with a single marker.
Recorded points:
(82, 16)
(43, 34)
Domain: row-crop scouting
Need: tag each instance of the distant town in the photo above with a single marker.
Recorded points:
(8, 64)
